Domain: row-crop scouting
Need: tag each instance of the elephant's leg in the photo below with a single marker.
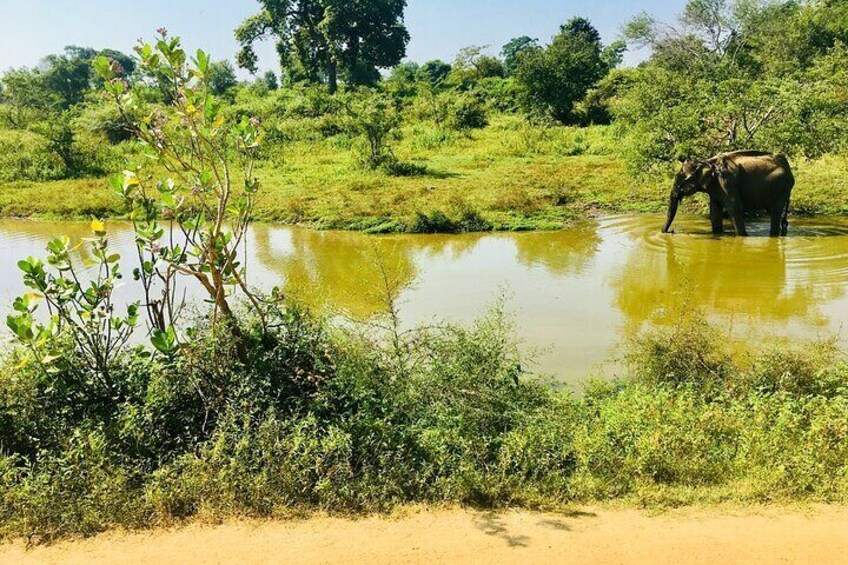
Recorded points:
(738, 217)
(784, 219)
(717, 216)
(776, 221)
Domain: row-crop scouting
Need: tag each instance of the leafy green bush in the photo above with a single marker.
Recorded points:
(374, 118)
(27, 156)
(452, 110)
(104, 120)
(690, 354)
(461, 111)
(340, 419)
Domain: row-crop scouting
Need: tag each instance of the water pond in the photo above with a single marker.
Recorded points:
(575, 295)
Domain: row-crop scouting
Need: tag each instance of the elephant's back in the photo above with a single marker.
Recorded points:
(767, 182)
(758, 164)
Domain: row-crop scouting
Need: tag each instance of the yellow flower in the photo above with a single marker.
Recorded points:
(98, 226)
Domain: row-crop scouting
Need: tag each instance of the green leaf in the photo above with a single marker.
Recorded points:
(25, 266)
(165, 342)
(202, 62)
(103, 67)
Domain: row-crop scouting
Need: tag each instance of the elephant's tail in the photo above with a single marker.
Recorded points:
(784, 223)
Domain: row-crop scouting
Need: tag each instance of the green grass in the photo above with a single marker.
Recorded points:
(512, 175)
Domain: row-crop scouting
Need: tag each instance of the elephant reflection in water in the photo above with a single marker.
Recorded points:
(740, 280)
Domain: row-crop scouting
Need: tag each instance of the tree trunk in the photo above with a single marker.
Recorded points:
(332, 76)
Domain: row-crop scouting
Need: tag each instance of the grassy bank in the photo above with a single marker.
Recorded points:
(322, 418)
(508, 176)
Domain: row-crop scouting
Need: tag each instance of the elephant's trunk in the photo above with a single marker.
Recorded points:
(673, 205)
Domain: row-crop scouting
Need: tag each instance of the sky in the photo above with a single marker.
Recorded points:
(31, 29)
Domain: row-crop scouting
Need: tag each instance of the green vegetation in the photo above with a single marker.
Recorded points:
(260, 408)
(737, 75)
(320, 417)
(515, 142)
(318, 38)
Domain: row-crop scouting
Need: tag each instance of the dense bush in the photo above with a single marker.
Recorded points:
(103, 120)
(320, 417)
(736, 75)
(460, 112)
(27, 156)
(375, 119)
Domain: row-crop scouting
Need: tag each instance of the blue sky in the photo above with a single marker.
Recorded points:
(30, 29)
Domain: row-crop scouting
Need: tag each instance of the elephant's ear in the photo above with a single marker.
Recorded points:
(724, 167)
(707, 175)
(725, 170)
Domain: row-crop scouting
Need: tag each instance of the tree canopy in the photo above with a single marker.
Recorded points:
(512, 51)
(738, 74)
(554, 78)
(318, 38)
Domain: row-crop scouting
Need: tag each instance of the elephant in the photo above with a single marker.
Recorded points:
(737, 183)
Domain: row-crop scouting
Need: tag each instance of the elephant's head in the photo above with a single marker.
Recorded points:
(694, 177)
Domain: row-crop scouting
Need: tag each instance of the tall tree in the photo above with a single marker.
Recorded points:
(221, 77)
(435, 71)
(512, 51)
(553, 79)
(69, 75)
(319, 38)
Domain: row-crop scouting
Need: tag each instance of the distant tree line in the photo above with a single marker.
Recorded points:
(728, 74)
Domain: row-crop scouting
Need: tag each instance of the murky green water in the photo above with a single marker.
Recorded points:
(576, 295)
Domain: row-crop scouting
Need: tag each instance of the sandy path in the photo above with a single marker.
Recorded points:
(818, 536)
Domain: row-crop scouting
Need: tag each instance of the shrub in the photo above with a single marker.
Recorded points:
(461, 112)
(324, 417)
(819, 369)
(690, 353)
(466, 219)
(375, 119)
(26, 156)
(105, 121)
(502, 94)
(452, 110)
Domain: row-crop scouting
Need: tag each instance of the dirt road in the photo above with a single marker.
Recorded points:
(817, 536)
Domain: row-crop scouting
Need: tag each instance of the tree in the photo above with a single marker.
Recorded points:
(270, 80)
(191, 221)
(404, 80)
(736, 75)
(375, 118)
(316, 39)
(59, 82)
(25, 96)
(408, 72)
(69, 75)
(221, 77)
(435, 71)
(512, 52)
(473, 65)
(553, 79)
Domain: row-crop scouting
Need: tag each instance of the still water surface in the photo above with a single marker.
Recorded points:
(576, 295)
